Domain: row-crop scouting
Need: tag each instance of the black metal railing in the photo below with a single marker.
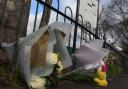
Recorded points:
(87, 26)
(84, 28)
(87, 33)
(37, 8)
(65, 11)
(58, 7)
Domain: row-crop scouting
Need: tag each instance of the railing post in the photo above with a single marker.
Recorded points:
(67, 7)
(76, 26)
(37, 6)
(58, 9)
(88, 26)
(82, 33)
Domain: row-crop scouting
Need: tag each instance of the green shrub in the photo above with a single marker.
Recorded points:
(115, 70)
(79, 77)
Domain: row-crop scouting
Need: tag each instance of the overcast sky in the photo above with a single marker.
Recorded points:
(105, 2)
(33, 4)
(63, 3)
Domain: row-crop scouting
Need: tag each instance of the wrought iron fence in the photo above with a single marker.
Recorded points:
(65, 11)
(87, 33)
(84, 34)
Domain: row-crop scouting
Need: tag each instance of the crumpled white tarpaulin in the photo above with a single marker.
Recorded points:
(58, 36)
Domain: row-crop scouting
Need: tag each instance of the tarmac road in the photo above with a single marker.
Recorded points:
(118, 82)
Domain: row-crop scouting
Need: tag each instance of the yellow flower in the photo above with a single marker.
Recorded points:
(37, 82)
(52, 58)
(59, 70)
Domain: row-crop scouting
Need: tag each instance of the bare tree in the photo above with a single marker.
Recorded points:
(46, 14)
(14, 19)
(115, 20)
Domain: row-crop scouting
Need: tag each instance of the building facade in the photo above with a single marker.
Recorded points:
(88, 9)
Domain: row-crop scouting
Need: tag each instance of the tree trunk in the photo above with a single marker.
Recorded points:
(46, 14)
(15, 20)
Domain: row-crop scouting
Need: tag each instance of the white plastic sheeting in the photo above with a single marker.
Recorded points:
(9, 47)
(23, 62)
(98, 44)
(90, 54)
(55, 38)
